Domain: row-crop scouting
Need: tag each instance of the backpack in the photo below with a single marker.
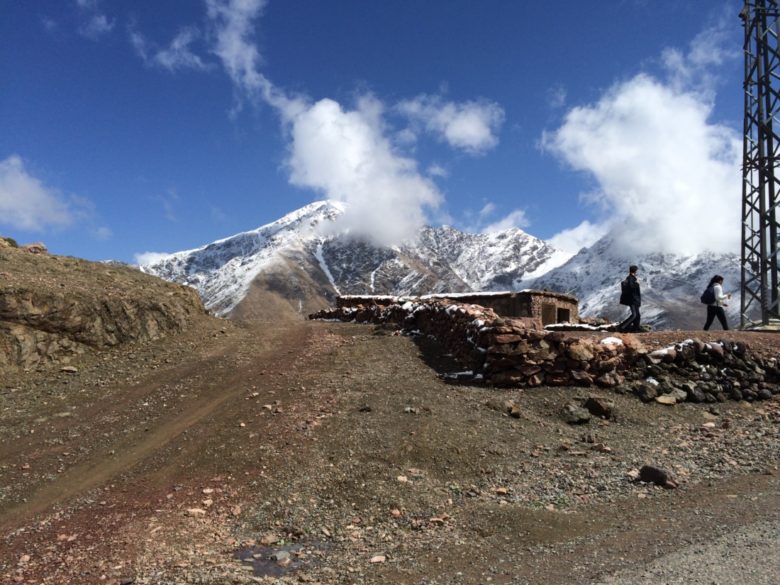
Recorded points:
(625, 292)
(708, 296)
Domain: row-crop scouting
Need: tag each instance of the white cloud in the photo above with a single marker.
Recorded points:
(342, 153)
(26, 203)
(668, 177)
(694, 70)
(169, 201)
(435, 170)
(406, 137)
(345, 155)
(556, 96)
(49, 24)
(514, 219)
(487, 210)
(582, 236)
(177, 55)
(484, 221)
(141, 46)
(95, 24)
(148, 258)
(472, 126)
(104, 233)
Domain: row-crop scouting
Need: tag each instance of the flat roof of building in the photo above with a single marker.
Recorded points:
(467, 295)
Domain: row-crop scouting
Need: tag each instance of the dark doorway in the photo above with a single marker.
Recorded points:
(548, 314)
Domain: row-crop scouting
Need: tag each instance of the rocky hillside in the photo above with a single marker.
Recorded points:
(54, 307)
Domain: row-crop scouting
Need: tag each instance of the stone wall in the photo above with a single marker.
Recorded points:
(514, 352)
(544, 307)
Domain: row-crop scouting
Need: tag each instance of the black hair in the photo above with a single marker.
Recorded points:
(633, 268)
(715, 279)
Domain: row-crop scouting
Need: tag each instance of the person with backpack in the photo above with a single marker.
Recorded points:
(631, 296)
(714, 298)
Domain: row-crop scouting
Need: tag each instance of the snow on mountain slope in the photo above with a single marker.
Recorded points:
(671, 284)
(294, 265)
(494, 261)
(224, 270)
(440, 260)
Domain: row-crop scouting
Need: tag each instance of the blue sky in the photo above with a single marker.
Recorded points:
(147, 126)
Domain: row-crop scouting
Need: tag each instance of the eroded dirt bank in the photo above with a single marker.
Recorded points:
(338, 450)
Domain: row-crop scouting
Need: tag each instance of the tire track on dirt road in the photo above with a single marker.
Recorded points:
(131, 449)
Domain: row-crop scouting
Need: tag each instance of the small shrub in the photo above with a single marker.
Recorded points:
(10, 241)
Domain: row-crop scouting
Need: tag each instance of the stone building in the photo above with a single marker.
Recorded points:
(542, 306)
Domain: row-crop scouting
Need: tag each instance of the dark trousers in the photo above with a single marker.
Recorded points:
(715, 311)
(632, 323)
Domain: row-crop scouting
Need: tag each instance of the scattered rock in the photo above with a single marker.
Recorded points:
(574, 414)
(657, 476)
(667, 399)
(645, 392)
(280, 556)
(600, 407)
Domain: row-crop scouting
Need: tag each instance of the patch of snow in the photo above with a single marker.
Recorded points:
(324, 267)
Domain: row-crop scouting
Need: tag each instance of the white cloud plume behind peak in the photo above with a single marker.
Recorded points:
(348, 154)
(584, 235)
(514, 219)
(668, 177)
(472, 126)
(345, 155)
(342, 153)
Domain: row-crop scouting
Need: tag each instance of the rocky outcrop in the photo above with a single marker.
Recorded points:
(513, 352)
(53, 308)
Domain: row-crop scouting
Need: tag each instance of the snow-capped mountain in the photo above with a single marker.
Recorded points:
(671, 284)
(293, 266)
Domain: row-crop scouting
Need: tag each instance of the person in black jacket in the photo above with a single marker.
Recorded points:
(631, 296)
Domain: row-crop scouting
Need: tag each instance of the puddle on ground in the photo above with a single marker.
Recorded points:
(277, 561)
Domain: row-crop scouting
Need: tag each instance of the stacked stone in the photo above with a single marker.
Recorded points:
(521, 356)
(696, 371)
(456, 326)
(512, 352)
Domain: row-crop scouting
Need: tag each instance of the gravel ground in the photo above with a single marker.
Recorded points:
(747, 556)
(337, 450)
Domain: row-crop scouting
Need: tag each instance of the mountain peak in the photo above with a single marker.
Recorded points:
(319, 262)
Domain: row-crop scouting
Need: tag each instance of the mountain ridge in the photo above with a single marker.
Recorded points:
(300, 263)
(324, 263)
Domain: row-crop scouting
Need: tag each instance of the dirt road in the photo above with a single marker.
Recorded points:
(338, 451)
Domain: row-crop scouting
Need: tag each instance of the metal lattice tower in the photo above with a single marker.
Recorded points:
(761, 156)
